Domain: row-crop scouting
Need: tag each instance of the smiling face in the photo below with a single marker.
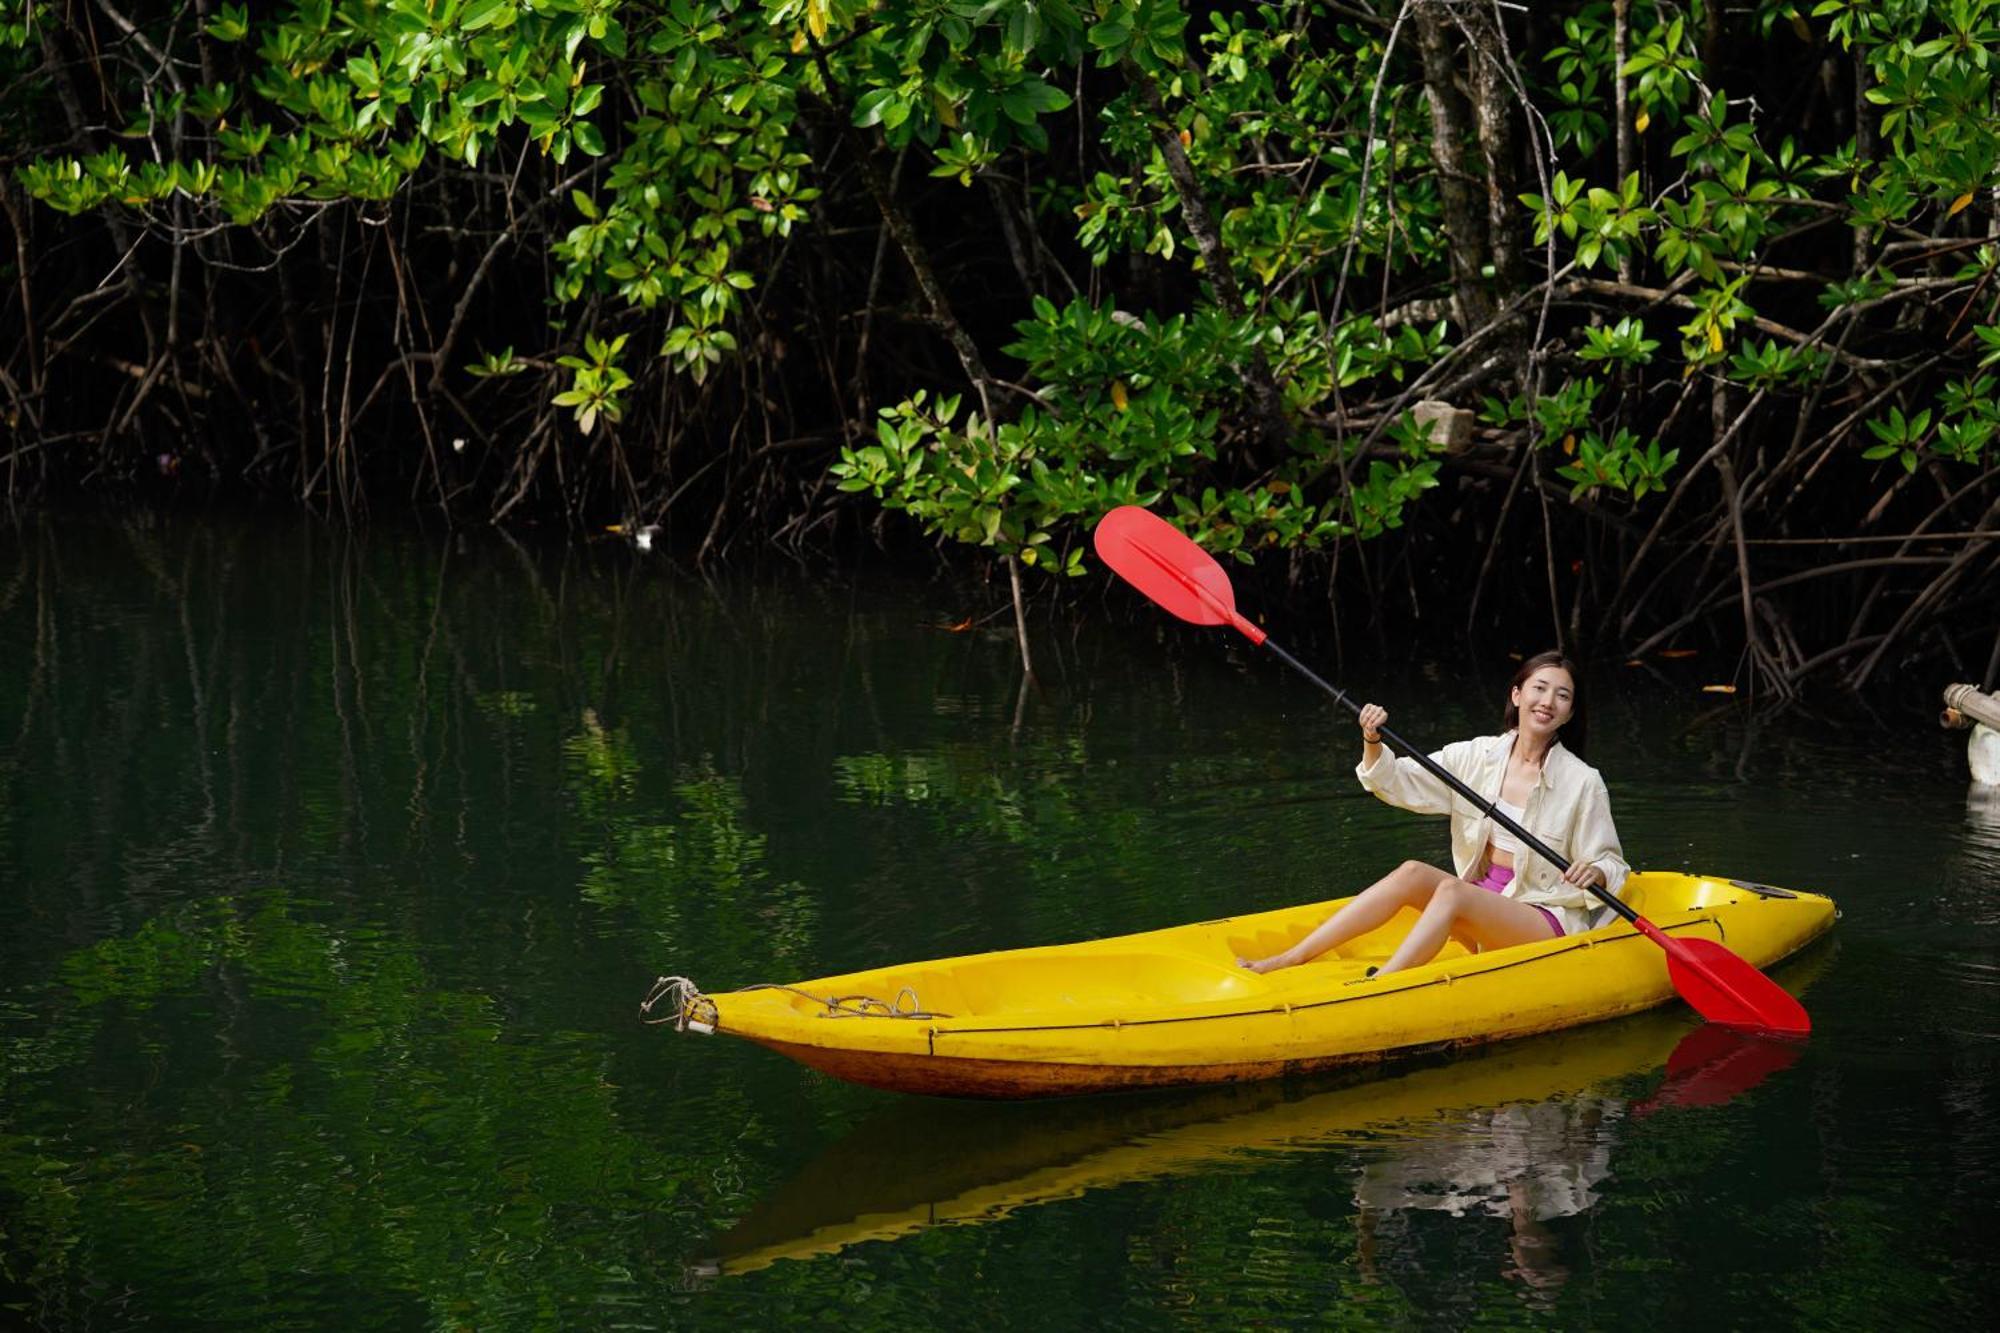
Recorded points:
(1544, 701)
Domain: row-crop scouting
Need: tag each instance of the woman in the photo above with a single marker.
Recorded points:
(1499, 894)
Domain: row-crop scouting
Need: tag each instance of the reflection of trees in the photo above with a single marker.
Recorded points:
(1039, 792)
(698, 882)
(1070, 846)
(395, 1088)
(341, 1134)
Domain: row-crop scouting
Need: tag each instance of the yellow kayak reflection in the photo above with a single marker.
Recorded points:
(919, 1164)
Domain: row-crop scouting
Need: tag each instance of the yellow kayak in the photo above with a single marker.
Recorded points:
(1170, 1007)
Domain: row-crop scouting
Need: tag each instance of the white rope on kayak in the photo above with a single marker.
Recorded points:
(692, 1009)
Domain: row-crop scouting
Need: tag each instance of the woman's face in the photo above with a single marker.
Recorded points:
(1543, 701)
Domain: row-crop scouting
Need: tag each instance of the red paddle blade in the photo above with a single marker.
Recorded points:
(1163, 563)
(1724, 989)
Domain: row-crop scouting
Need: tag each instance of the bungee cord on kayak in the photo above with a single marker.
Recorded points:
(692, 1009)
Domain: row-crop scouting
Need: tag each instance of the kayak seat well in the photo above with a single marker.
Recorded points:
(1370, 949)
(1116, 985)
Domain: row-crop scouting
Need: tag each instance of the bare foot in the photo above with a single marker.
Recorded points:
(1262, 965)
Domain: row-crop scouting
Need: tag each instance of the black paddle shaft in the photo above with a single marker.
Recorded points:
(1437, 771)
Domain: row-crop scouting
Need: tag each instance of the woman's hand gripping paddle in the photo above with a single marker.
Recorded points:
(1157, 559)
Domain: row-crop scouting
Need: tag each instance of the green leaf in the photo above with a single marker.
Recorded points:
(1115, 31)
(230, 24)
(482, 13)
(1042, 97)
(872, 105)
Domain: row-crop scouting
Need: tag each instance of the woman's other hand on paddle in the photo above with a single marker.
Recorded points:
(1373, 717)
(1583, 874)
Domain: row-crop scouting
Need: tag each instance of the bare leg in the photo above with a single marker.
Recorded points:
(1408, 885)
(1456, 907)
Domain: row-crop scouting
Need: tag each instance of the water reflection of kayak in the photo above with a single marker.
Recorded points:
(1169, 1007)
(920, 1163)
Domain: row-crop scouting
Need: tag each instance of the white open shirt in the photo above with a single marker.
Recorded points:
(1569, 810)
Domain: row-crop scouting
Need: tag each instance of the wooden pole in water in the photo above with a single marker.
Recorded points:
(1965, 706)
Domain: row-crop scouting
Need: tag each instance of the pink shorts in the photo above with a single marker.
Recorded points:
(1497, 879)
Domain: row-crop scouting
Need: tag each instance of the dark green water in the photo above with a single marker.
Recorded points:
(334, 870)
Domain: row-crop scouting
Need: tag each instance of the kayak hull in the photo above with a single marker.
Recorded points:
(1170, 1007)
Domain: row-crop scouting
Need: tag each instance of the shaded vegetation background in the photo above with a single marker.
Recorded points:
(1697, 299)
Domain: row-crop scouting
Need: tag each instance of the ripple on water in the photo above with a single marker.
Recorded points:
(1971, 978)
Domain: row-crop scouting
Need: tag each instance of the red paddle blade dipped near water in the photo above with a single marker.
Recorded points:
(1163, 563)
(1726, 989)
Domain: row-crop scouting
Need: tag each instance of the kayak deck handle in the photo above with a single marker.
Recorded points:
(1763, 890)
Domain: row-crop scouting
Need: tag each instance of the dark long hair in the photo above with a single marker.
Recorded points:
(1575, 730)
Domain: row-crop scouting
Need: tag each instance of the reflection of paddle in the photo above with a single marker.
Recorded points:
(1714, 1065)
(1160, 561)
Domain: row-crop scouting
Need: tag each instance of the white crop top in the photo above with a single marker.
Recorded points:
(1503, 841)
